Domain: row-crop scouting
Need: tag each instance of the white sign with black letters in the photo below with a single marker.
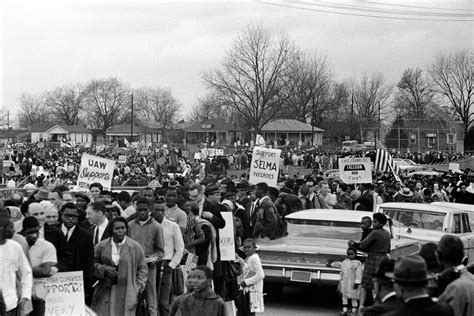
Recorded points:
(96, 169)
(355, 170)
(265, 166)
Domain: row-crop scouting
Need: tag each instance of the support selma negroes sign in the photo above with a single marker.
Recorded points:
(265, 166)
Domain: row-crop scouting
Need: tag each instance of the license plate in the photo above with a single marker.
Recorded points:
(301, 276)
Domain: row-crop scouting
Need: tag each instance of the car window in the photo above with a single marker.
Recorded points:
(456, 227)
(465, 224)
(324, 229)
(418, 219)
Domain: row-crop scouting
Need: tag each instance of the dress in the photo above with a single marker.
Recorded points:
(120, 299)
(251, 297)
(351, 273)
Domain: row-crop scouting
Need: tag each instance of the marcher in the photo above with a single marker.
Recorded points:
(121, 270)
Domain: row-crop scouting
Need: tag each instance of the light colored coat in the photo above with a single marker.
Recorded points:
(132, 277)
(351, 273)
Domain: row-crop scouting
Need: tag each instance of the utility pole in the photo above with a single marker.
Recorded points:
(312, 124)
(352, 116)
(8, 127)
(131, 120)
(379, 126)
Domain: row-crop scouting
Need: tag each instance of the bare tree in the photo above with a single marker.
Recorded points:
(105, 102)
(66, 103)
(414, 94)
(371, 99)
(253, 77)
(158, 105)
(453, 77)
(310, 78)
(211, 106)
(33, 109)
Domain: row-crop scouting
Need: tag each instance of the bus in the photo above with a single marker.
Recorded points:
(349, 145)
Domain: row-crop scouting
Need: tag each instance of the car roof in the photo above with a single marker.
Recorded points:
(422, 207)
(461, 206)
(330, 214)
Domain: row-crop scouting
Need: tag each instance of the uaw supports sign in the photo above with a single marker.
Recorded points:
(96, 169)
(65, 294)
(265, 166)
(355, 170)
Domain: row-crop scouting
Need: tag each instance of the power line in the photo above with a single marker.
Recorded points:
(416, 7)
(358, 14)
(350, 7)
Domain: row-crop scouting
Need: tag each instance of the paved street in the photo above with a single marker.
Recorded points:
(304, 300)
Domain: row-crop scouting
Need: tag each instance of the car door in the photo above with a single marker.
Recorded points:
(468, 235)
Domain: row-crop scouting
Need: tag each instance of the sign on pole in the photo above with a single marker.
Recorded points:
(355, 170)
(226, 238)
(96, 169)
(65, 294)
(264, 166)
(454, 166)
(122, 159)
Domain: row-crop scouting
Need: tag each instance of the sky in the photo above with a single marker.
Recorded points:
(50, 43)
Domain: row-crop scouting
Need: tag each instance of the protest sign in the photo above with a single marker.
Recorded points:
(122, 159)
(264, 166)
(355, 170)
(65, 294)
(96, 169)
(161, 161)
(454, 166)
(211, 152)
(219, 152)
(226, 238)
(197, 156)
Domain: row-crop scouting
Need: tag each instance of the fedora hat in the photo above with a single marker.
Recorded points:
(410, 270)
(406, 192)
(82, 195)
(211, 188)
(42, 194)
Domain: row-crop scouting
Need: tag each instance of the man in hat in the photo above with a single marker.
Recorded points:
(267, 222)
(411, 285)
(404, 195)
(387, 300)
(459, 294)
(82, 200)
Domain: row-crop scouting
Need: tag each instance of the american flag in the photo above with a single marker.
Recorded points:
(191, 262)
(384, 161)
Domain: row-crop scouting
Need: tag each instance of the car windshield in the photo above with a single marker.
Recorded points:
(418, 219)
(330, 229)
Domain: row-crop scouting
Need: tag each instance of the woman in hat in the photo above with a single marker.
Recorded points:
(377, 245)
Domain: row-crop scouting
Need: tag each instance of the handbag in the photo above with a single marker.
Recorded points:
(256, 301)
(142, 308)
(177, 281)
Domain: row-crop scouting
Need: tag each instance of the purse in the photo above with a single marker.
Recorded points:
(177, 279)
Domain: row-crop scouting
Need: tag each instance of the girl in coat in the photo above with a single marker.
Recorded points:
(120, 267)
(351, 277)
(251, 295)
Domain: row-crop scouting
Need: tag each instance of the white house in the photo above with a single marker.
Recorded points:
(75, 134)
(292, 132)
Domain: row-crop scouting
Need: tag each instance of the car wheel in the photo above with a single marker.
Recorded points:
(274, 290)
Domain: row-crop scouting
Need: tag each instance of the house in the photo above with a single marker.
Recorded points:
(139, 132)
(13, 135)
(216, 131)
(53, 132)
(289, 132)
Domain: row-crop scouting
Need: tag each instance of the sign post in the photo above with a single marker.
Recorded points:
(265, 166)
(355, 170)
(96, 169)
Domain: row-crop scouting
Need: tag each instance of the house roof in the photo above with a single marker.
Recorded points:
(125, 129)
(44, 127)
(212, 125)
(289, 125)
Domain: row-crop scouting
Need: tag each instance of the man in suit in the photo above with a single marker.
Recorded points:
(79, 241)
(411, 280)
(210, 212)
(387, 300)
(95, 214)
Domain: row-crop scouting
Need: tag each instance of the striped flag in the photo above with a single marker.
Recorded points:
(385, 162)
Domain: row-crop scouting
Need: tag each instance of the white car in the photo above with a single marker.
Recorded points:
(407, 165)
(429, 222)
(316, 239)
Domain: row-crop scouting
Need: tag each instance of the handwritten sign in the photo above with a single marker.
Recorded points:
(219, 152)
(355, 170)
(226, 238)
(96, 169)
(65, 294)
(265, 166)
(122, 159)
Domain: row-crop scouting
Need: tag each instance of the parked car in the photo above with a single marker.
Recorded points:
(407, 165)
(429, 222)
(316, 240)
(465, 207)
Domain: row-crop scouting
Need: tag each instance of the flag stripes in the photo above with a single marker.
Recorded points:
(384, 161)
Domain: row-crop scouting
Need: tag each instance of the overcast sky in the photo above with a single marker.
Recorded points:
(46, 44)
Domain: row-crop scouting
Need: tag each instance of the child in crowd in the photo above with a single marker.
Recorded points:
(202, 301)
(351, 277)
(250, 298)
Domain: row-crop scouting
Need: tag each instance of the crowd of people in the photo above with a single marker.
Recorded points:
(133, 246)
